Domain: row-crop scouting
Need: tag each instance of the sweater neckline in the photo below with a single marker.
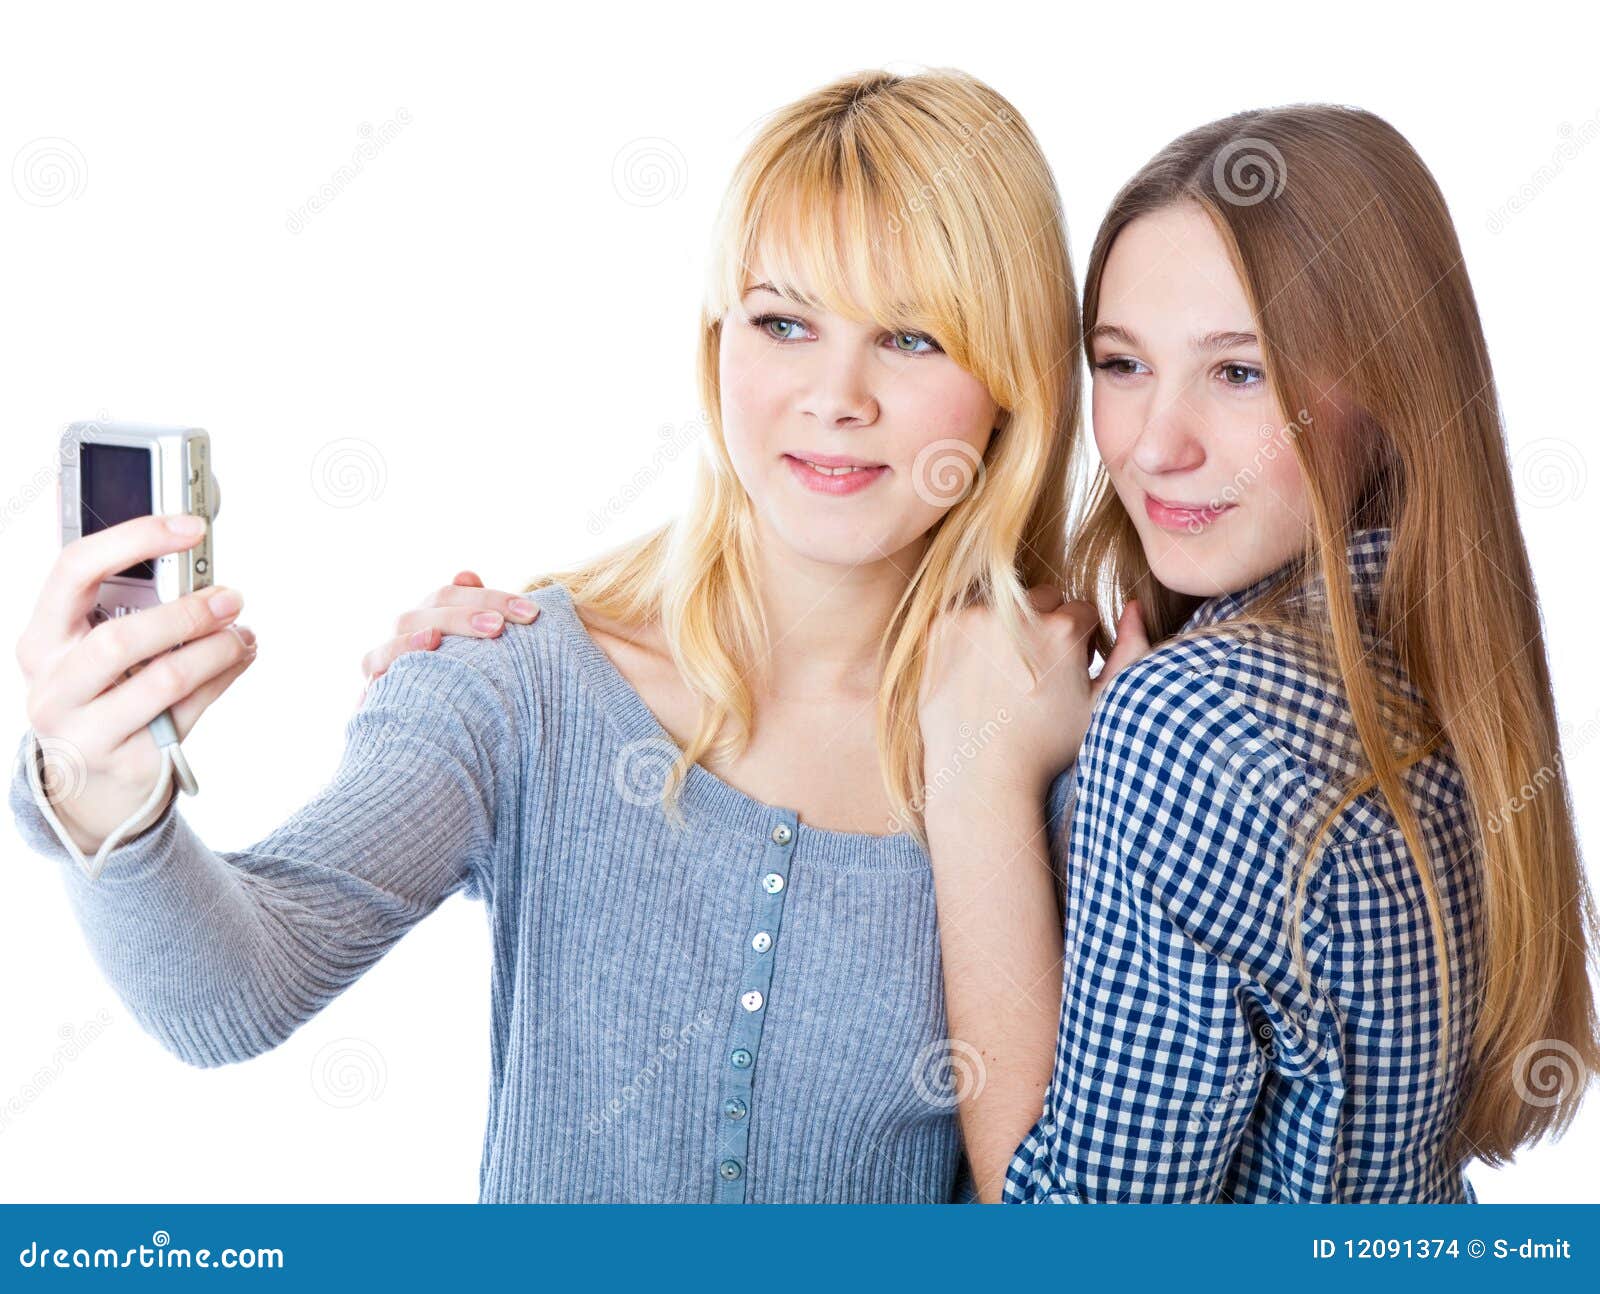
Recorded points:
(706, 798)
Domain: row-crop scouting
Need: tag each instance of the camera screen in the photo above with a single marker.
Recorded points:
(115, 481)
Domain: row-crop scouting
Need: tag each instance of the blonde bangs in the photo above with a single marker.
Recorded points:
(845, 222)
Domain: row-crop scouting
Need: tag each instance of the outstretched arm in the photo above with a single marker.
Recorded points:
(222, 955)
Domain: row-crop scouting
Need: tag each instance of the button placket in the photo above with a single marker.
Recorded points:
(742, 1047)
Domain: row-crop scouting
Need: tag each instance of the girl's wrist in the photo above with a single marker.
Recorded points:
(971, 797)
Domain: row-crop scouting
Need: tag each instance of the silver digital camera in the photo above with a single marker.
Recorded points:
(113, 472)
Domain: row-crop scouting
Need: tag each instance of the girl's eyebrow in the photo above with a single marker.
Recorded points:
(1220, 340)
(1113, 332)
(1224, 340)
(798, 298)
(767, 287)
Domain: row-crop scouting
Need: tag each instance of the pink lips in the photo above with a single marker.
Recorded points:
(1182, 516)
(834, 483)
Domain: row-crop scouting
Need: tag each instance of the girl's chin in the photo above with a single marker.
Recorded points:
(827, 545)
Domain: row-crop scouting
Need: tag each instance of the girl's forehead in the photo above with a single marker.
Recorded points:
(838, 272)
(1171, 263)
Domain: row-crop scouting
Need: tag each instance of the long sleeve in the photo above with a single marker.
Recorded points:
(1179, 997)
(222, 955)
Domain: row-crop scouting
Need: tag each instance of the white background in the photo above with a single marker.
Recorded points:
(484, 342)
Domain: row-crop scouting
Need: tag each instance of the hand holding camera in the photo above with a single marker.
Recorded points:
(128, 643)
(79, 688)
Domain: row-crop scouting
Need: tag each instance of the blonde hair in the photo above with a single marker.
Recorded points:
(1346, 250)
(923, 203)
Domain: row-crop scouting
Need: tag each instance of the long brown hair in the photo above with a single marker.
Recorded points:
(1372, 344)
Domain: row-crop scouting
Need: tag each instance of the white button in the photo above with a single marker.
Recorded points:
(772, 882)
(751, 1001)
(782, 834)
(762, 941)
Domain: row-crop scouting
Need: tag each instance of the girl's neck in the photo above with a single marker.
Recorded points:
(827, 621)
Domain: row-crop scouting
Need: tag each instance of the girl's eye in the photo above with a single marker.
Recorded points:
(1120, 366)
(1241, 375)
(919, 343)
(778, 327)
(786, 328)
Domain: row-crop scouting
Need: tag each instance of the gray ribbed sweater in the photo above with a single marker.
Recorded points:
(747, 1010)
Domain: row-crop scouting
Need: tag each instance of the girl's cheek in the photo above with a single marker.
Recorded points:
(1280, 474)
(752, 399)
(733, 370)
(1110, 436)
(955, 411)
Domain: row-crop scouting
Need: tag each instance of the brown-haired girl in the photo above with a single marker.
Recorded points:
(1320, 945)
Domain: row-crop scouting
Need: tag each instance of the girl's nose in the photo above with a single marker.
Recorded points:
(841, 394)
(1172, 439)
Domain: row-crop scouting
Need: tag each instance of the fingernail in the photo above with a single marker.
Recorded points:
(488, 621)
(224, 602)
(522, 607)
(186, 524)
(246, 633)
(420, 638)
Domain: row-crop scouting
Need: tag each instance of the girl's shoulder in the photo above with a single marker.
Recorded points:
(1253, 713)
(572, 674)
(1235, 675)
(1177, 709)
(512, 680)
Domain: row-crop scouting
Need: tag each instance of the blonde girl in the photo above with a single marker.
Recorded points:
(716, 975)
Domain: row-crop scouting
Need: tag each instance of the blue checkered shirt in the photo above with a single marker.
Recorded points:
(1191, 1063)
